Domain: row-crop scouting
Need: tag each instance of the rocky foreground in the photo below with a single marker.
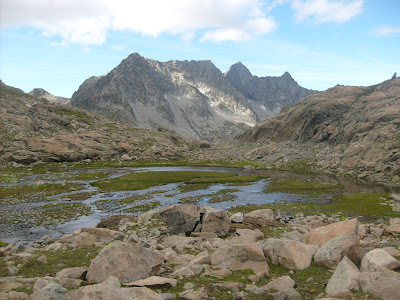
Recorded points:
(192, 252)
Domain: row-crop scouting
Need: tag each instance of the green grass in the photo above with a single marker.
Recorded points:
(144, 180)
(3, 244)
(300, 187)
(79, 257)
(228, 178)
(61, 212)
(36, 190)
(363, 204)
(223, 196)
(185, 188)
(79, 196)
(91, 176)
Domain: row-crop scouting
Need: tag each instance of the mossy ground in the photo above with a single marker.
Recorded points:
(34, 192)
(58, 260)
(144, 180)
(300, 187)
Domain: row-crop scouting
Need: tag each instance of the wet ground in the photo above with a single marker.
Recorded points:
(27, 220)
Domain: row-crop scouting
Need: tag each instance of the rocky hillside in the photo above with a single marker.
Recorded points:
(346, 129)
(33, 130)
(266, 95)
(45, 95)
(192, 97)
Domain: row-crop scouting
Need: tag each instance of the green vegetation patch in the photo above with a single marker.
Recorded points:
(36, 190)
(144, 180)
(185, 188)
(79, 257)
(223, 196)
(363, 204)
(79, 196)
(48, 214)
(300, 187)
(92, 176)
(228, 178)
(192, 199)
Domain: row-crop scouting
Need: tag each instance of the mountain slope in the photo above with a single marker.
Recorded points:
(33, 130)
(351, 130)
(193, 98)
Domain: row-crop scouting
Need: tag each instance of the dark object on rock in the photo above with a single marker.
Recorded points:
(394, 75)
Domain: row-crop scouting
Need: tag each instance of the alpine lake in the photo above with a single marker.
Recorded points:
(61, 198)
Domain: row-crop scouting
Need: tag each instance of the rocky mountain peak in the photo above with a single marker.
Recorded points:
(287, 76)
(46, 96)
(39, 92)
(239, 70)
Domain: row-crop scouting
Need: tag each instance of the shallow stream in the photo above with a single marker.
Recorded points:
(19, 223)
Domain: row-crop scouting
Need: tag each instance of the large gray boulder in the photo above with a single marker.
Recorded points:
(344, 280)
(216, 221)
(181, 218)
(52, 291)
(125, 261)
(240, 257)
(332, 252)
(320, 235)
(266, 215)
(290, 254)
(111, 289)
(378, 260)
(381, 284)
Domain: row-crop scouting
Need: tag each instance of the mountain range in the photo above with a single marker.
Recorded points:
(193, 98)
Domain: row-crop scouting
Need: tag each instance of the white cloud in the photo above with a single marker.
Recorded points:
(386, 30)
(322, 11)
(88, 22)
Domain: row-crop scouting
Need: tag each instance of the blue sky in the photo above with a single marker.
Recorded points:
(56, 45)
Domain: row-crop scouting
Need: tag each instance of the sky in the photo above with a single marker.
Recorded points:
(57, 44)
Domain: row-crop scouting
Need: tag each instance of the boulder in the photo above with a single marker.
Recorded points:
(181, 218)
(332, 252)
(381, 284)
(266, 215)
(240, 257)
(377, 260)
(237, 217)
(153, 281)
(286, 294)
(320, 235)
(125, 261)
(394, 230)
(248, 236)
(74, 273)
(42, 282)
(13, 295)
(216, 221)
(52, 291)
(281, 283)
(290, 254)
(111, 289)
(344, 280)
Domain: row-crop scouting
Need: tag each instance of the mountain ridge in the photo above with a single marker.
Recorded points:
(193, 98)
